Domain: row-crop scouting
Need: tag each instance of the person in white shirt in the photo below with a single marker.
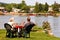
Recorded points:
(11, 22)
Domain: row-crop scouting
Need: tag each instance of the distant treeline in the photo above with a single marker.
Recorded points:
(38, 7)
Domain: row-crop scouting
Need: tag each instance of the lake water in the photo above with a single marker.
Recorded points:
(54, 22)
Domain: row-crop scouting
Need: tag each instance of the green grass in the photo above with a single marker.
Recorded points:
(36, 34)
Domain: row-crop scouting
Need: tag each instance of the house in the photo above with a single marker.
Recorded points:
(50, 9)
(15, 10)
(2, 9)
(31, 10)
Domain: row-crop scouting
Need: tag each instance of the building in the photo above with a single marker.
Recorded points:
(15, 10)
(31, 10)
(50, 9)
(2, 9)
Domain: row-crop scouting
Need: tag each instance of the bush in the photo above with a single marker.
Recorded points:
(46, 25)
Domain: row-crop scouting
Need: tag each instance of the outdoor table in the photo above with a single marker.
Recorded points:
(19, 27)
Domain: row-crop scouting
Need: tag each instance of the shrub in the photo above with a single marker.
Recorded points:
(46, 25)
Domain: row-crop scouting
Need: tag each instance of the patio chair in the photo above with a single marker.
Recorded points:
(27, 29)
(9, 32)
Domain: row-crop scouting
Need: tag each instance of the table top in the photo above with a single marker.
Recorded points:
(19, 26)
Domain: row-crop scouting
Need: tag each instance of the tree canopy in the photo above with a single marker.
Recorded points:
(38, 7)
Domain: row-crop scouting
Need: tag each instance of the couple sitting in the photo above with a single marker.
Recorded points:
(26, 25)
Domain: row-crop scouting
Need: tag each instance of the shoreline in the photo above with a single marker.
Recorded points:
(32, 14)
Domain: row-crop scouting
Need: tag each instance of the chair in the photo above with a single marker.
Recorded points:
(27, 29)
(9, 32)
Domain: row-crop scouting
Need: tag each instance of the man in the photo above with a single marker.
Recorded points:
(28, 26)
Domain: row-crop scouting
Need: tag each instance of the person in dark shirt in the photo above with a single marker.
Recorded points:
(28, 26)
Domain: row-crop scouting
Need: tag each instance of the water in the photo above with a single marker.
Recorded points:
(40, 19)
(54, 22)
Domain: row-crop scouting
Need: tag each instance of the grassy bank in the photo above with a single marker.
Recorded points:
(36, 34)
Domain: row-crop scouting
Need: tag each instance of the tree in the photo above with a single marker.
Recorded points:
(9, 7)
(36, 10)
(14, 5)
(19, 6)
(25, 7)
(46, 7)
(55, 7)
(40, 7)
(0, 5)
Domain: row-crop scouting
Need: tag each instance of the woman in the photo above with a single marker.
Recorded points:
(11, 22)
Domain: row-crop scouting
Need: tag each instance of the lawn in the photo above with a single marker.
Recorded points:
(36, 34)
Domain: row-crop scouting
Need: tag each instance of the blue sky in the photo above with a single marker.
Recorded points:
(31, 2)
